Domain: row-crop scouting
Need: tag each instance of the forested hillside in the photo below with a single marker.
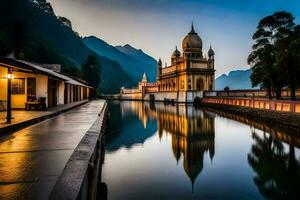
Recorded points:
(35, 33)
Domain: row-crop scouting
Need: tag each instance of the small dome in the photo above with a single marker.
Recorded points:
(192, 41)
(210, 52)
(176, 53)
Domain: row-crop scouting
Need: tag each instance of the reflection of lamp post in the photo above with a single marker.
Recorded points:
(9, 77)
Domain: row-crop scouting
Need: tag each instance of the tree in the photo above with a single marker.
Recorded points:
(91, 71)
(65, 22)
(20, 36)
(262, 70)
(266, 71)
(5, 44)
(45, 6)
(226, 88)
(277, 172)
(289, 59)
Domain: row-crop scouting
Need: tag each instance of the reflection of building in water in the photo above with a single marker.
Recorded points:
(192, 131)
(143, 111)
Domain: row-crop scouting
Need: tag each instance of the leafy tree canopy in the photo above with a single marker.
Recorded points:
(91, 71)
(272, 60)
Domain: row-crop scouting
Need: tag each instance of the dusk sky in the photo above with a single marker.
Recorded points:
(156, 26)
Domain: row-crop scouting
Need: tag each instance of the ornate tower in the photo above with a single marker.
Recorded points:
(211, 58)
(144, 80)
(159, 68)
(175, 56)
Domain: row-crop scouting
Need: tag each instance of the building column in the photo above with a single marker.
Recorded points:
(8, 112)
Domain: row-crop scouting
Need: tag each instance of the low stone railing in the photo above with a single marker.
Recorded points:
(275, 105)
(81, 177)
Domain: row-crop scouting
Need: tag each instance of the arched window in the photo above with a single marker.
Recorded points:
(200, 84)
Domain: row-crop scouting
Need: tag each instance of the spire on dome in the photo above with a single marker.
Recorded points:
(192, 28)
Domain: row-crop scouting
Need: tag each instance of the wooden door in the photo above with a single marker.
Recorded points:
(52, 91)
(31, 89)
(66, 93)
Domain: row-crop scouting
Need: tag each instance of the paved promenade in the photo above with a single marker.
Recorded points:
(32, 159)
(20, 116)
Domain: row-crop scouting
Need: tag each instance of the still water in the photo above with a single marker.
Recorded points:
(179, 152)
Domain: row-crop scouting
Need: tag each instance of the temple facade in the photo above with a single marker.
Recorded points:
(189, 74)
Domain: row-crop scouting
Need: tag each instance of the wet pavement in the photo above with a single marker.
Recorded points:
(19, 116)
(32, 159)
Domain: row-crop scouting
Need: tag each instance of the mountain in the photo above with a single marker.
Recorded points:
(238, 79)
(43, 37)
(133, 61)
(148, 64)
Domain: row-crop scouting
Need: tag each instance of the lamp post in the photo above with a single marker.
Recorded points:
(9, 77)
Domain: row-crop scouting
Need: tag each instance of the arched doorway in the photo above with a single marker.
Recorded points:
(200, 84)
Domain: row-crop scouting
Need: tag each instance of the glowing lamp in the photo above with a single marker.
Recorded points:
(10, 75)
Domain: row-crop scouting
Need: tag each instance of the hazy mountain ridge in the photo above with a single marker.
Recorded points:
(133, 61)
(237, 79)
(149, 63)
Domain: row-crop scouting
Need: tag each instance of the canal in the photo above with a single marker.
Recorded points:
(179, 152)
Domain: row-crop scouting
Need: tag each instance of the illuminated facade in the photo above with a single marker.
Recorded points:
(31, 82)
(189, 74)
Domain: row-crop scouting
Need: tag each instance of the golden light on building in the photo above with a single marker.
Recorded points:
(189, 74)
(26, 85)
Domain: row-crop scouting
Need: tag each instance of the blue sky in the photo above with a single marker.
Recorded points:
(156, 26)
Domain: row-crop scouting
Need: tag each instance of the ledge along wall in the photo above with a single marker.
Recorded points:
(81, 177)
(179, 97)
(275, 105)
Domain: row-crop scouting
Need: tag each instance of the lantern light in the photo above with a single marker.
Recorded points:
(10, 75)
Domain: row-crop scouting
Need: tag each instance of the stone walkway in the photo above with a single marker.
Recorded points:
(22, 115)
(32, 159)
(22, 118)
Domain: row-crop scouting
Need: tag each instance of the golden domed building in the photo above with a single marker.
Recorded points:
(190, 73)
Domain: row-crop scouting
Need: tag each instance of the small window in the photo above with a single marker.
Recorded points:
(18, 86)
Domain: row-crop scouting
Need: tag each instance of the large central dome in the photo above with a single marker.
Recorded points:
(192, 41)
